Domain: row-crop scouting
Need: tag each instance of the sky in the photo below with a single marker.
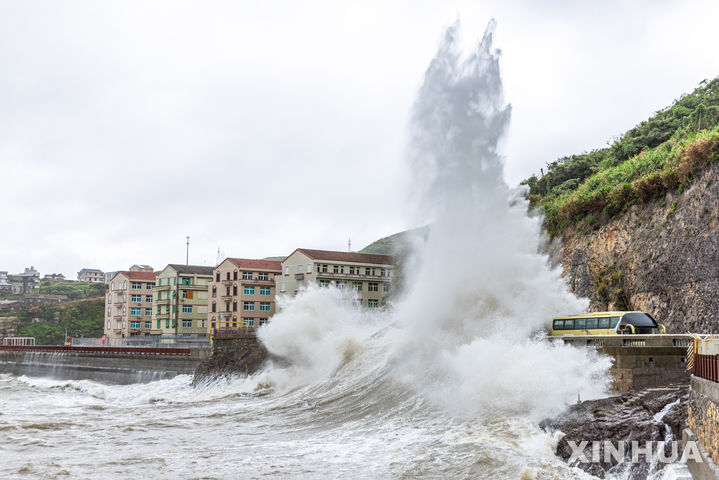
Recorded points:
(260, 127)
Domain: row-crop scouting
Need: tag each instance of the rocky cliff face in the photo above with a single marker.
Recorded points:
(661, 257)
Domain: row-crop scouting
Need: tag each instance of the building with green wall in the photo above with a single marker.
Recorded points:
(180, 300)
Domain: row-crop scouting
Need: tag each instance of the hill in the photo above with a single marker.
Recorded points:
(398, 244)
(661, 154)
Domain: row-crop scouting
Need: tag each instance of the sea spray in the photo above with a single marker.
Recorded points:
(464, 335)
(480, 289)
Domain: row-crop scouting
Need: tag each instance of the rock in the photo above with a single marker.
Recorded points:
(624, 418)
(231, 357)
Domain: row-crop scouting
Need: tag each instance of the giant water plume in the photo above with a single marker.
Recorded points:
(464, 334)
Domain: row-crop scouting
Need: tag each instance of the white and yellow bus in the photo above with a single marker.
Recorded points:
(607, 323)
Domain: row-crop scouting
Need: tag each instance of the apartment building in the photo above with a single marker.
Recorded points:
(128, 305)
(368, 275)
(242, 293)
(24, 283)
(90, 275)
(181, 297)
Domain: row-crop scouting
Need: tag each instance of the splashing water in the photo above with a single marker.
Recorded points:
(462, 336)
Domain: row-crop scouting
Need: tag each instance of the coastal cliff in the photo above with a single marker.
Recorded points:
(661, 257)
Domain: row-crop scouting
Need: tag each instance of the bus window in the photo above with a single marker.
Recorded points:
(614, 322)
(558, 324)
(591, 323)
(603, 322)
(580, 323)
(569, 324)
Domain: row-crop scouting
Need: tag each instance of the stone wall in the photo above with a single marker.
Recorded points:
(703, 418)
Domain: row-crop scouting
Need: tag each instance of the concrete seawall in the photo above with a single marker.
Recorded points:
(103, 367)
(703, 427)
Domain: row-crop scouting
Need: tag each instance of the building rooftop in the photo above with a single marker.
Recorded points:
(192, 269)
(90, 270)
(354, 257)
(256, 264)
(146, 276)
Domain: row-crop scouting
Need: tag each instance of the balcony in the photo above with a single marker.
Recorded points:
(299, 276)
(354, 276)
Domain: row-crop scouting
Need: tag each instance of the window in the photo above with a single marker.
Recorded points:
(136, 286)
(263, 321)
(187, 309)
(373, 287)
(234, 275)
(159, 282)
(149, 286)
(158, 324)
(341, 284)
(136, 298)
(227, 291)
(124, 311)
(265, 306)
(352, 270)
(614, 322)
(158, 311)
(148, 311)
(335, 269)
(283, 287)
(247, 275)
(234, 306)
(249, 306)
(148, 298)
(299, 268)
(188, 294)
(148, 324)
(356, 302)
(372, 303)
(309, 270)
(248, 322)
(214, 307)
(263, 276)
(234, 290)
(214, 292)
(287, 270)
(187, 324)
(186, 281)
(324, 268)
(217, 276)
(167, 323)
(124, 284)
(580, 323)
(325, 283)
(134, 324)
(603, 322)
(591, 323)
(357, 286)
(385, 287)
(249, 290)
(265, 291)
(109, 311)
(108, 325)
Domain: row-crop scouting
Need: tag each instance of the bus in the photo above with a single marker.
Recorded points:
(607, 323)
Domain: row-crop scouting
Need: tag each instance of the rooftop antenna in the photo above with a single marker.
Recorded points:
(217, 260)
(349, 244)
(187, 255)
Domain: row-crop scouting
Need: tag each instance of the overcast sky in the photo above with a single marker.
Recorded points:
(259, 127)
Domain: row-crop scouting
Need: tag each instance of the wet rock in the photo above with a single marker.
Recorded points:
(621, 419)
(231, 357)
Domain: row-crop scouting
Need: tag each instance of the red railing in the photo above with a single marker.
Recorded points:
(100, 349)
(707, 366)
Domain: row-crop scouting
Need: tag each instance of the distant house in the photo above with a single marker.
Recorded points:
(92, 275)
(242, 293)
(368, 275)
(24, 283)
(109, 275)
(141, 268)
(4, 284)
(128, 305)
(53, 277)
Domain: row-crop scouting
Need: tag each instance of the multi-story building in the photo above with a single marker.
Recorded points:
(109, 275)
(141, 268)
(24, 283)
(128, 305)
(368, 275)
(242, 293)
(180, 305)
(91, 275)
(4, 284)
(53, 278)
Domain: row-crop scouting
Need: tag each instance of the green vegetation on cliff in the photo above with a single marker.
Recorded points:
(78, 318)
(660, 154)
(73, 290)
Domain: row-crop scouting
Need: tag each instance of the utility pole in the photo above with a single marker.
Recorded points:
(349, 244)
(187, 257)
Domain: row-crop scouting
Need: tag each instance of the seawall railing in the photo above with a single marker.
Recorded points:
(149, 341)
(705, 357)
(627, 341)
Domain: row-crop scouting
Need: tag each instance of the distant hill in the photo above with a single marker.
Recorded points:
(398, 244)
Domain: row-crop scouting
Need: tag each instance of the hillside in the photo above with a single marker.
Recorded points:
(660, 155)
(79, 318)
(398, 244)
(635, 224)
